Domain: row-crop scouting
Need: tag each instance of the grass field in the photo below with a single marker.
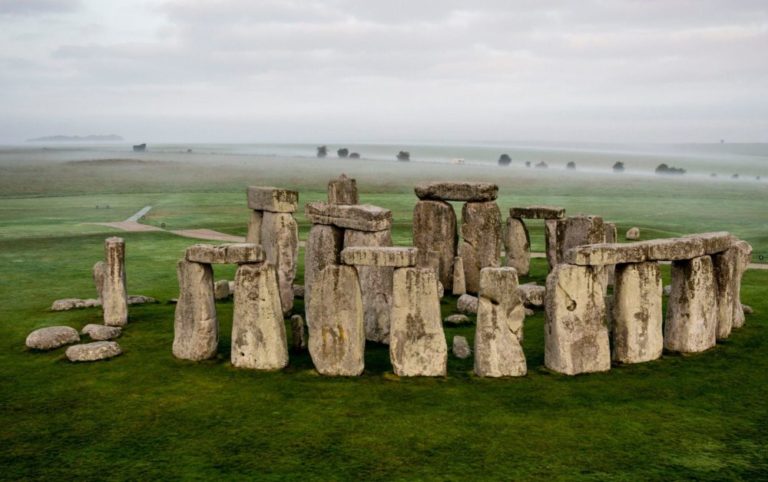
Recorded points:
(146, 415)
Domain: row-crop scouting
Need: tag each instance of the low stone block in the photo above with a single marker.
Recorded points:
(276, 200)
(101, 332)
(361, 217)
(52, 337)
(457, 191)
(537, 212)
(96, 351)
(396, 257)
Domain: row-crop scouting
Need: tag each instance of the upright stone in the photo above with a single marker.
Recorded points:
(196, 328)
(550, 242)
(298, 333)
(99, 275)
(744, 251)
(637, 314)
(114, 296)
(417, 343)
(611, 236)
(280, 241)
(342, 190)
(273, 199)
(691, 324)
(481, 240)
(459, 284)
(375, 284)
(254, 227)
(575, 333)
(517, 244)
(434, 228)
(336, 333)
(324, 245)
(499, 328)
(576, 231)
(258, 330)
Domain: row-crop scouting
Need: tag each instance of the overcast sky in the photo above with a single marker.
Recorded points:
(388, 70)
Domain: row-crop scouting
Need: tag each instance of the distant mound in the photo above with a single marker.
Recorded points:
(90, 138)
(113, 162)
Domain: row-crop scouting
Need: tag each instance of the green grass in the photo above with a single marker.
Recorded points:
(146, 415)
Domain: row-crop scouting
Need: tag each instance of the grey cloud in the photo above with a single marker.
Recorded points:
(33, 7)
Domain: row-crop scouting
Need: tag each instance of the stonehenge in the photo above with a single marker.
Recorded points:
(517, 241)
(342, 190)
(636, 313)
(114, 297)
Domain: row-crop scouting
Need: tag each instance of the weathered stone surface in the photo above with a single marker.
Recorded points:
(336, 332)
(280, 241)
(258, 331)
(575, 334)
(748, 310)
(52, 337)
(99, 274)
(254, 227)
(101, 332)
(114, 298)
(362, 217)
(633, 234)
(529, 312)
(457, 319)
(673, 249)
(221, 290)
(611, 236)
(577, 231)
(667, 290)
(262, 198)
(537, 212)
(375, 284)
(517, 244)
(605, 254)
(500, 316)
(196, 328)
(236, 253)
(323, 248)
(481, 240)
(394, 257)
(691, 323)
(457, 191)
(637, 314)
(298, 333)
(532, 294)
(140, 299)
(459, 283)
(467, 304)
(417, 343)
(725, 267)
(550, 242)
(98, 350)
(342, 190)
(298, 291)
(434, 228)
(461, 348)
(67, 304)
(744, 251)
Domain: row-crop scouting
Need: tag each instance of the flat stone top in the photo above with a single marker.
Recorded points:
(396, 257)
(457, 191)
(237, 253)
(670, 249)
(268, 198)
(537, 212)
(363, 217)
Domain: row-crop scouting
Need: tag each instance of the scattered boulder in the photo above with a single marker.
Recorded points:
(532, 294)
(298, 333)
(461, 347)
(633, 234)
(467, 304)
(98, 350)
(140, 299)
(101, 332)
(52, 337)
(221, 290)
(67, 304)
(456, 319)
(747, 309)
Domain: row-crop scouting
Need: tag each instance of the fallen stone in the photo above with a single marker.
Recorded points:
(67, 304)
(633, 234)
(196, 327)
(238, 253)
(434, 228)
(101, 332)
(258, 330)
(461, 348)
(323, 248)
(221, 290)
(517, 245)
(395, 257)
(140, 300)
(637, 314)
(342, 190)
(96, 351)
(417, 343)
(336, 332)
(459, 284)
(691, 322)
(457, 191)
(575, 331)
(114, 298)
(467, 304)
(537, 212)
(298, 333)
(99, 272)
(280, 242)
(272, 199)
(457, 319)
(480, 246)
(52, 337)
(532, 294)
(747, 309)
(361, 217)
(298, 291)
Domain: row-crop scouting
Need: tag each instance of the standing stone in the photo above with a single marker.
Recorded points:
(196, 328)
(575, 333)
(342, 190)
(280, 242)
(481, 240)
(744, 251)
(336, 333)
(258, 330)
(691, 324)
(499, 328)
(417, 343)
(99, 274)
(324, 245)
(517, 244)
(726, 266)
(637, 314)
(459, 284)
(298, 333)
(576, 231)
(114, 297)
(375, 284)
(611, 236)
(254, 227)
(434, 228)
(550, 242)
(467, 304)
